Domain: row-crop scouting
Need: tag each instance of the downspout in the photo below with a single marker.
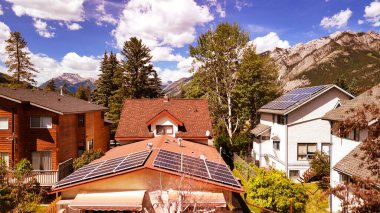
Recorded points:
(13, 138)
(286, 146)
(330, 155)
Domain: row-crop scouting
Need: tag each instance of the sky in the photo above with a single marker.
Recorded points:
(71, 36)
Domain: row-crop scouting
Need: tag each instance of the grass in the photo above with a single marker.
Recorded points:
(318, 203)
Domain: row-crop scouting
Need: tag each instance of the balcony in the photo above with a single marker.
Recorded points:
(46, 177)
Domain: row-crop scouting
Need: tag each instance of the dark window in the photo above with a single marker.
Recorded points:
(344, 178)
(356, 134)
(81, 120)
(90, 145)
(294, 173)
(276, 145)
(164, 130)
(265, 138)
(281, 119)
(41, 160)
(306, 151)
(41, 122)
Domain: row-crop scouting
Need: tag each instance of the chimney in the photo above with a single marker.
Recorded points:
(166, 98)
(179, 142)
(61, 92)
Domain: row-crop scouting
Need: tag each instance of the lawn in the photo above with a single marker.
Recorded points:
(317, 202)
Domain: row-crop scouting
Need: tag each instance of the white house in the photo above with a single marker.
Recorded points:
(345, 151)
(291, 128)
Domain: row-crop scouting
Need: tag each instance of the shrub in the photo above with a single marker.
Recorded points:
(272, 190)
(86, 158)
(320, 165)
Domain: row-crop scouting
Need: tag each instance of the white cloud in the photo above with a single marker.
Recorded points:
(240, 4)
(165, 54)
(1, 10)
(161, 23)
(102, 16)
(269, 42)
(338, 20)
(64, 10)
(73, 26)
(372, 13)
(42, 28)
(360, 22)
(5, 32)
(182, 70)
(220, 9)
(82, 63)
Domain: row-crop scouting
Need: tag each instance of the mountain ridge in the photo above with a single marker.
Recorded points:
(72, 80)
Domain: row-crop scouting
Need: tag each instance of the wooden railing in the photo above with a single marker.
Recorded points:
(53, 206)
(46, 177)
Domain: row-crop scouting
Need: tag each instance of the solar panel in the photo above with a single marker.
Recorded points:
(106, 167)
(195, 166)
(292, 97)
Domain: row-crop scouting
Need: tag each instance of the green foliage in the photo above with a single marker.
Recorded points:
(351, 87)
(65, 90)
(86, 158)
(194, 88)
(50, 86)
(320, 165)
(271, 189)
(23, 193)
(83, 93)
(18, 62)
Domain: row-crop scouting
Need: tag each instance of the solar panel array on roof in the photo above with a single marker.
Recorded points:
(106, 167)
(292, 97)
(194, 166)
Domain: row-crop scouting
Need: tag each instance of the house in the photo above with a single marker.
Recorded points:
(143, 119)
(345, 151)
(291, 128)
(156, 175)
(49, 129)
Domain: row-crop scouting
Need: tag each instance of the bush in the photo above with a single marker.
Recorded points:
(86, 158)
(320, 165)
(272, 190)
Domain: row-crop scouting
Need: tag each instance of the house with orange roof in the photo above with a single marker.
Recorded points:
(158, 174)
(143, 119)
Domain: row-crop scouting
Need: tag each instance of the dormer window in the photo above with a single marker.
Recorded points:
(164, 129)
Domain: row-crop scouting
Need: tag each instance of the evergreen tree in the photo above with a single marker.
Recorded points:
(50, 86)
(65, 90)
(18, 62)
(81, 93)
(136, 77)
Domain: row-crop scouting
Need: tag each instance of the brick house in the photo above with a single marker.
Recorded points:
(142, 119)
(48, 128)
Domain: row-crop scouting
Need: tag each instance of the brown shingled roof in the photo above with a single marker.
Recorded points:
(52, 101)
(353, 165)
(260, 129)
(370, 96)
(136, 113)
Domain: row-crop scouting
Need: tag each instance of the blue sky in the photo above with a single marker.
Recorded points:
(71, 35)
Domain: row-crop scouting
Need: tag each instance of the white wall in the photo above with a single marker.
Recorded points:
(164, 120)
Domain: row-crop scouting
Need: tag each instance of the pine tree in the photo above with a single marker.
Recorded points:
(50, 86)
(65, 90)
(18, 62)
(81, 93)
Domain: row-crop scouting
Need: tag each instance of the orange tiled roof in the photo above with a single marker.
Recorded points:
(136, 113)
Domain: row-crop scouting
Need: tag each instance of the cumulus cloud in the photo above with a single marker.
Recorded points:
(269, 42)
(64, 10)
(73, 26)
(240, 4)
(372, 13)
(102, 16)
(1, 10)
(161, 23)
(360, 21)
(42, 28)
(338, 20)
(165, 54)
(220, 8)
(86, 66)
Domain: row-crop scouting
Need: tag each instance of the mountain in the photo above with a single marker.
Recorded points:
(173, 89)
(72, 80)
(353, 55)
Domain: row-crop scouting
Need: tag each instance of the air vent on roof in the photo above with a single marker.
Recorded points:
(179, 141)
(149, 145)
(202, 157)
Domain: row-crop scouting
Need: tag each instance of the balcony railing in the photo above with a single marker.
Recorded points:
(46, 177)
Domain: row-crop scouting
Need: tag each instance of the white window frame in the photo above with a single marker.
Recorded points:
(41, 127)
(7, 122)
(308, 155)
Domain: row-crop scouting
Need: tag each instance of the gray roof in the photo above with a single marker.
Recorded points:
(260, 129)
(299, 97)
(345, 110)
(51, 101)
(353, 164)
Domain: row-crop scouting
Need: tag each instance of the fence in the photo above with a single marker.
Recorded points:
(53, 206)
(243, 167)
(65, 168)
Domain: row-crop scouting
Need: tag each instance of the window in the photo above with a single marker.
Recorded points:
(306, 151)
(325, 148)
(281, 119)
(356, 134)
(4, 157)
(343, 178)
(164, 130)
(41, 122)
(90, 145)
(276, 145)
(41, 160)
(265, 138)
(80, 120)
(294, 173)
(3, 123)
